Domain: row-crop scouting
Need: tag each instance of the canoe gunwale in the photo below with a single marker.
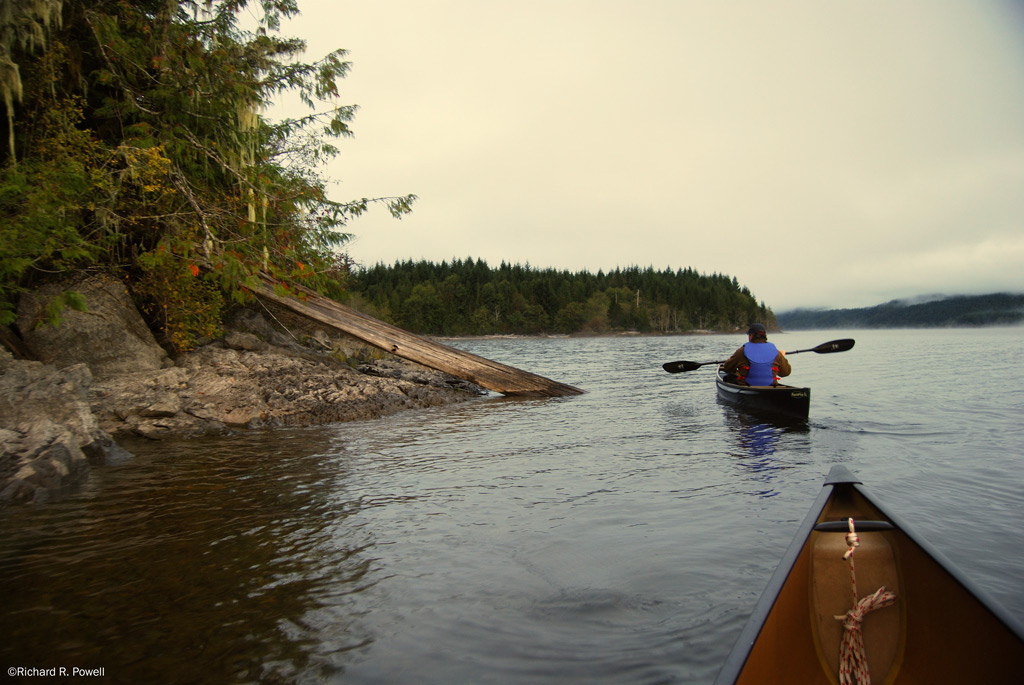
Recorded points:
(840, 476)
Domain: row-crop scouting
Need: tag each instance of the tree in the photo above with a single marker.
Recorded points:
(422, 310)
(571, 317)
(136, 143)
(472, 298)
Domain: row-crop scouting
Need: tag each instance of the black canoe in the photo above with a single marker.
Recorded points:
(939, 628)
(786, 400)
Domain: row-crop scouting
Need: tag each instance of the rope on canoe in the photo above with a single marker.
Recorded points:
(853, 660)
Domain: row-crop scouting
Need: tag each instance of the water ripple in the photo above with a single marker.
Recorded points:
(619, 536)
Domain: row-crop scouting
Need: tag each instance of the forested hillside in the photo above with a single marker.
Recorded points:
(469, 297)
(963, 310)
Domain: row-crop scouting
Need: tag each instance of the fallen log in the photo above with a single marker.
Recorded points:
(492, 375)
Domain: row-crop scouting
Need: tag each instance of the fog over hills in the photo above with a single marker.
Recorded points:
(925, 311)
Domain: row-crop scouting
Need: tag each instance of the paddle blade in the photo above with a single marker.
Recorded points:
(679, 367)
(834, 346)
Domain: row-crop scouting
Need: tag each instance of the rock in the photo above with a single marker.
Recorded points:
(247, 320)
(110, 338)
(230, 386)
(59, 418)
(243, 341)
(167, 404)
(322, 339)
(31, 390)
(49, 433)
(45, 459)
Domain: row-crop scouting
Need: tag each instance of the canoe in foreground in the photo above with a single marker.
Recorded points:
(938, 628)
(780, 399)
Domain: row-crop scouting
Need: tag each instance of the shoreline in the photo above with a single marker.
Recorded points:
(577, 336)
(60, 423)
(100, 376)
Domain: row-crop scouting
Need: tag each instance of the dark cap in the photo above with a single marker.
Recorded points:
(757, 330)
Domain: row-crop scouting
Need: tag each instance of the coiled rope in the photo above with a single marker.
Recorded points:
(853, 660)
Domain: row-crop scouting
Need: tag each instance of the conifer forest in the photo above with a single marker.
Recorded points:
(469, 297)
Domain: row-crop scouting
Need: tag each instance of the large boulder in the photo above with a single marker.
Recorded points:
(37, 460)
(48, 434)
(110, 337)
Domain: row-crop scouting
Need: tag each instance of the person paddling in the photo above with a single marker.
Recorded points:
(758, 362)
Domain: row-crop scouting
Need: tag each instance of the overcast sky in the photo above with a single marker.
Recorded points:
(836, 153)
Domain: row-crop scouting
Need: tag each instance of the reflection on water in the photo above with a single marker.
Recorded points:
(201, 566)
(759, 436)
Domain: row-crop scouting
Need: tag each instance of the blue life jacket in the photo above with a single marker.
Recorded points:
(762, 369)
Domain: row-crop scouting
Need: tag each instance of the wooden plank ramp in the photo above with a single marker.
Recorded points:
(506, 380)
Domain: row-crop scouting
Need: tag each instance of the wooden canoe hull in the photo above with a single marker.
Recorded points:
(785, 400)
(941, 629)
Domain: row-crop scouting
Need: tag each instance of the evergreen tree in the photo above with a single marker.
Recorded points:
(472, 298)
(135, 144)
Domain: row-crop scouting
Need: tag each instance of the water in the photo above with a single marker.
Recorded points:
(618, 536)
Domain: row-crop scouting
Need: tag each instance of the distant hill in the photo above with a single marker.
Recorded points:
(998, 309)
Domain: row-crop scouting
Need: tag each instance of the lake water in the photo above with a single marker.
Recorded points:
(621, 536)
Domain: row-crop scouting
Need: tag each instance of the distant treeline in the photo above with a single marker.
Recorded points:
(962, 310)
(468, 297)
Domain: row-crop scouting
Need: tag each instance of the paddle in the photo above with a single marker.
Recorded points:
(824, 348)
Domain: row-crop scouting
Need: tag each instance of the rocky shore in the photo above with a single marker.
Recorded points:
(68, 392)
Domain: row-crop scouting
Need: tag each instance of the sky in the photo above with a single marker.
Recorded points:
(826, 153)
